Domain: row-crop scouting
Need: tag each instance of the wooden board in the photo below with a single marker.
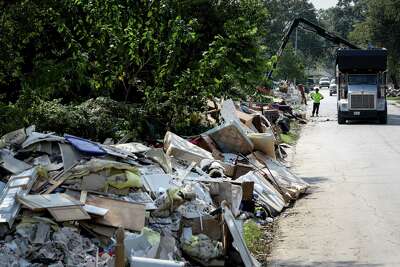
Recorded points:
(73, 213)
(124, 214)
(47, 201)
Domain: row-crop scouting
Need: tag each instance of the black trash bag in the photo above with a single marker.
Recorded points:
(284, 124)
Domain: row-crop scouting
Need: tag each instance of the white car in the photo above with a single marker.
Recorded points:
(332, 87)
(324, 82)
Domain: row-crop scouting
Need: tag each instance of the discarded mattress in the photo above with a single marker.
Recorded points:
(85, 146)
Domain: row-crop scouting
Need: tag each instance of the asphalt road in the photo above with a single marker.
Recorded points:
(351, 217)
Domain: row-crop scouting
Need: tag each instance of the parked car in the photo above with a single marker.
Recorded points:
(324, 82)
(333, 87)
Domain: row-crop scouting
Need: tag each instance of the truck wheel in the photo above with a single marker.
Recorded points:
(330, 93)
(340, 119)
(383, 118)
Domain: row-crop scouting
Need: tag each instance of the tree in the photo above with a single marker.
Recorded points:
(381, 29)
(169, 56)
(290, 66)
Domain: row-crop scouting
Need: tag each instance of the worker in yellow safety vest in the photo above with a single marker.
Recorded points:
(316, 97)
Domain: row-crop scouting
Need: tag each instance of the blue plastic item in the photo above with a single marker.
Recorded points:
(85, 146)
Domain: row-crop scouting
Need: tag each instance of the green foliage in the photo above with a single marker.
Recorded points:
(96, 118)
(168, 56)
(252, 234)
(290, 66)
(282, 13)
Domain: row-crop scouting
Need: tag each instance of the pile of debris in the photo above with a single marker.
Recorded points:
(68, 201)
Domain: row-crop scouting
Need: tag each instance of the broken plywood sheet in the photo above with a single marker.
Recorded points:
(183, 149)
(231, 138)
(17, 184)
(71, 213)
(123, 214)
(238, 240)
(47, 201)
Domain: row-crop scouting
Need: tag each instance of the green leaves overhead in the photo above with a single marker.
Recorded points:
(169, 56)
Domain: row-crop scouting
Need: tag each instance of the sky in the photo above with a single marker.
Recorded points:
(324, 3)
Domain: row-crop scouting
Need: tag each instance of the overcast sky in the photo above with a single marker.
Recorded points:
(324, 3)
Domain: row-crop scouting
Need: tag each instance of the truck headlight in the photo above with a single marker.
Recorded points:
(344, 106)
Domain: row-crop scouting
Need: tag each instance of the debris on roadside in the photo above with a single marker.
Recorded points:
(68, 201)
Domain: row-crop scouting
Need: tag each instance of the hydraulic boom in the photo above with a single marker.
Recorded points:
(315, 28)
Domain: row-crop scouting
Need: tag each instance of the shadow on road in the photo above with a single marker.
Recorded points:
(277, 263)
(392, 120)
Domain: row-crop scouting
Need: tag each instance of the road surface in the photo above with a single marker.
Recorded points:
(352, 216)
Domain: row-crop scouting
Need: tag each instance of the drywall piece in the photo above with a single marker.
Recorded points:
(154, 179)
(158, 155)
(47, 201)
(69, 155)
(13, 138)
(264, 142)
(95, 210)
(238, 240)
(183, 149)
(117, 152)
(120, 213)
(36, 137)
(11, 164)
(19, 184)
(133, 147)
(146, 262)
(94, 182)
(230, 114)
(71, 213)
(145, 244)
(231, 138)
(228, 111)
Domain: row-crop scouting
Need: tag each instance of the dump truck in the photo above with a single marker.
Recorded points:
(361, 76)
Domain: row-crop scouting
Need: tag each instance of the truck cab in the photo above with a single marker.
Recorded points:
(361, 81)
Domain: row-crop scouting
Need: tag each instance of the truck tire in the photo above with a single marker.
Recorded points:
(383, 118)
(340, 119)
(330, 93)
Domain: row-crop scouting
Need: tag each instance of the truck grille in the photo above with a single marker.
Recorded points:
(362, 101)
